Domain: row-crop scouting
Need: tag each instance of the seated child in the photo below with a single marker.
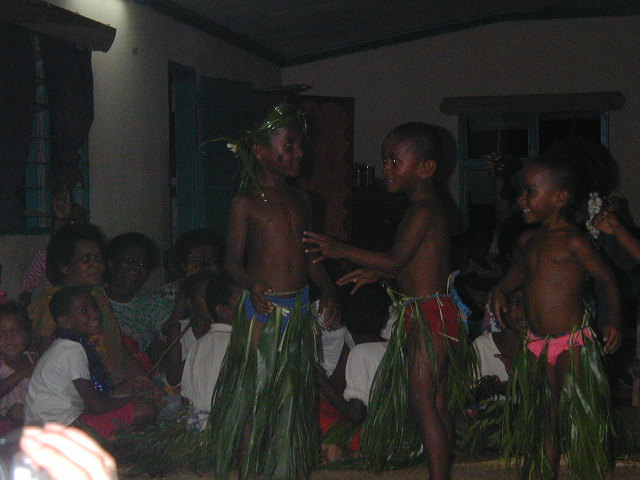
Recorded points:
(70, 382)
(364, 314)
(184, 333)
(334, 344)
(495, 350)
(64, 210)
(16, 362)
(197, 250)
(203, 362)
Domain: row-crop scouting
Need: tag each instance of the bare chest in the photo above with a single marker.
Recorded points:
(283, 212)
(549, 254)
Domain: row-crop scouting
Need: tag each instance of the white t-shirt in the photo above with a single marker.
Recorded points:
(488, 364)
(331, 344)
(202, 367)
(52, 396)
(188, 340)
(361, 367)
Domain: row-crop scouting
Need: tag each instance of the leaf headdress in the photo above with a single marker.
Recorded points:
(277, 116)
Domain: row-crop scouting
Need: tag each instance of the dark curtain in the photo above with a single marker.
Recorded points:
(69, 78)
(17, 106)
(70, 81)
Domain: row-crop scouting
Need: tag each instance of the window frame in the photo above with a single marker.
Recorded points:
(467, 166)
(37, 196)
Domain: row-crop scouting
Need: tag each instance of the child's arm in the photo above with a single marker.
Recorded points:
(236, 249)
(11, 381)
(608, 223)
(354, 410)
(512, 280)
(173, 363)
(122, 394)
(418, 222)
(362, 276)
(594, 264)
(95, 402)
(328, 301)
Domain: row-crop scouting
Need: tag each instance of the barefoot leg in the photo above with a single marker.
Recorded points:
(428, 404)
(556, 374)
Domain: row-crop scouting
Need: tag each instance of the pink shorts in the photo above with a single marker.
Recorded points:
(106, 424)
(556, 345)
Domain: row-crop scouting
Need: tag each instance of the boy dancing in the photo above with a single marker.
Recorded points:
(559, 396)
(429, 333)
(263, 407)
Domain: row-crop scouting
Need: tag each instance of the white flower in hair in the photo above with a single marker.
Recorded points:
(594, 205)
(233, 147)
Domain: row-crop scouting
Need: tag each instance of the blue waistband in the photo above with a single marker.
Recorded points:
(286, 302)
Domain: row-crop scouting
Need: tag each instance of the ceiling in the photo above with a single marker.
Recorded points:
(290, 32)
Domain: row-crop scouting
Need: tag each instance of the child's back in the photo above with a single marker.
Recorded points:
(427, 270)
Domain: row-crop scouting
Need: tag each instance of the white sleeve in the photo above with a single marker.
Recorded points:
(488, 364)
(187, 386)
(73, 362)
(362, 364)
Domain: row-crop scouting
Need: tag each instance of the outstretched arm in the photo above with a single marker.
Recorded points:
(361, 277)
(511, 281)
(594, 264)
(234, 260)
(608, 223)
(415, 226)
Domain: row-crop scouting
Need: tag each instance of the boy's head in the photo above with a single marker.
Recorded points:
(264, 120)
(276, 136)
(366, 311)
(222, 296)
(194, 288)
(74, 256)
(515, 319)
(550, 185)
(131, 257)
(75, 308)
(411, 152)
(198, 250)
(15, 329)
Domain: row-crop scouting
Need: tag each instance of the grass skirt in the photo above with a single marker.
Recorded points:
(271, 389)
(584, 414)
(390, 436)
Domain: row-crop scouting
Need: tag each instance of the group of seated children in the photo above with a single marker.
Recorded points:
(72, 384)
(86, 374)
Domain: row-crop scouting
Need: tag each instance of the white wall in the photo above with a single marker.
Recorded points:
(129, 139)
(407, 82)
